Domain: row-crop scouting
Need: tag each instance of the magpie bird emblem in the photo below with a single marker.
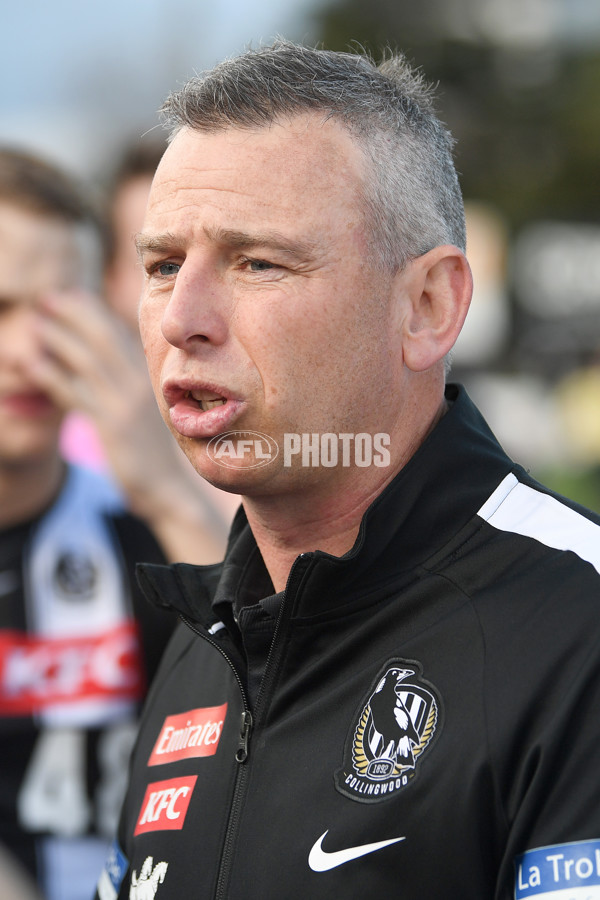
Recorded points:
(397, 723)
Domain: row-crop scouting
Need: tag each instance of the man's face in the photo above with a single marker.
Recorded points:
(261, 311)
(37, 255)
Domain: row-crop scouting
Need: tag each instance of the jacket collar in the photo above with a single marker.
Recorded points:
(436, 494)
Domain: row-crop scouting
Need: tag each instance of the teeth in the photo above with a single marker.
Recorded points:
(205, 403)
(210, 404)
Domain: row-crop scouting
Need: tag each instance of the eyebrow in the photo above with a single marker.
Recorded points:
(274, 240)
(239, 240)
(160, 243)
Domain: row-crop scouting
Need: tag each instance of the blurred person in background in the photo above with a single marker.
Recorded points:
(17, 883)
(126, 201)
(97, 369)
(78, 646)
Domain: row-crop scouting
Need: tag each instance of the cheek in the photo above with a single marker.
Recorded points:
(19, 338)
(149, 322)
(295, 344)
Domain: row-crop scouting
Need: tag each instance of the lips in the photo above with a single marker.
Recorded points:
(200, 410)
(28, 404)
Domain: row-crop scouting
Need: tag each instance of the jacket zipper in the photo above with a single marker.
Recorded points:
(296, 573)
(239, 790)
(241, 758)
(246, 725)
(206, 637)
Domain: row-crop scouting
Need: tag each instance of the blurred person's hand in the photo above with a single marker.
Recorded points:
(93, 363)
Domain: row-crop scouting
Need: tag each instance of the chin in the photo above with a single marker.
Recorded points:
(244, 480)
(25, 456)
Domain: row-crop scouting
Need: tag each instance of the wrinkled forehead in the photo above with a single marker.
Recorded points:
(304, 166)
(307, 144)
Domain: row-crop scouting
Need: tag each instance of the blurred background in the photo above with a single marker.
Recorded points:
(519, 87)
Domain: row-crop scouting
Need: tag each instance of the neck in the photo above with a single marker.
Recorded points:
(27, 488)
(324, 517)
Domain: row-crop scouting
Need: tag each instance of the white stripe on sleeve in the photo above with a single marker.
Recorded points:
(520, 509)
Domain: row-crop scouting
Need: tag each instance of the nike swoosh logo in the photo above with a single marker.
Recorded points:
(321, 861)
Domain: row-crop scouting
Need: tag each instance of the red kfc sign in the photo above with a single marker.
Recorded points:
(165, 805)
(39, 672)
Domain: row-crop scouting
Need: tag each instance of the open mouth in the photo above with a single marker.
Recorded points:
(205, 402)
(200, 411)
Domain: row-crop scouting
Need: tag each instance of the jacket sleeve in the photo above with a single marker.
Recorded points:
(543, 697)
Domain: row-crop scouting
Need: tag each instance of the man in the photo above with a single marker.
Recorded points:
(77, 643)
(390, 686)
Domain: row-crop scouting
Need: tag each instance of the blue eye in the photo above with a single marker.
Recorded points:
(168, 269)
(259, 265)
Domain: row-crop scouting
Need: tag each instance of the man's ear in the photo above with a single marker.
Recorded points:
(437, 289)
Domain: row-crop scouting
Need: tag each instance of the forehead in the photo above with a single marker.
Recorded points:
(300, 169)
(37, 252)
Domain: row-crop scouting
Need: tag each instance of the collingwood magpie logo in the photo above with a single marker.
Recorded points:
(75, 576)
(394, 728)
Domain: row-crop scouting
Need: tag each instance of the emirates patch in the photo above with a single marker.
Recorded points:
(194, 733)
(394, 727)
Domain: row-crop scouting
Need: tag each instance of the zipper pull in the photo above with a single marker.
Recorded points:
(245, 728)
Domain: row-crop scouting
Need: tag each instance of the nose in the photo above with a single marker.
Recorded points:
(21, 343)
(198, 308)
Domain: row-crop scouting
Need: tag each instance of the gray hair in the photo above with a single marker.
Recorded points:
(412, 195)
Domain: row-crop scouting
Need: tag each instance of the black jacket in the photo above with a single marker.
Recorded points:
(437, 688)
